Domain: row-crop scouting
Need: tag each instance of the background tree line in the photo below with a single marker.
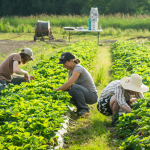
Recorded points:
(73, 7)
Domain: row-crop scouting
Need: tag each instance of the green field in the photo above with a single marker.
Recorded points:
(94, 132)
(118, 25)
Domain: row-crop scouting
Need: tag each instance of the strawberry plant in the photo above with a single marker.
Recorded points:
(133, 128)
(31, 113)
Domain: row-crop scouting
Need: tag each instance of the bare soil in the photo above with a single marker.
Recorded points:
(8, 46)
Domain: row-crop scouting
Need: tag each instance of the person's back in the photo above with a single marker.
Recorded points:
(84, 79)
(10, 71)
(109, 90)
(6, 67)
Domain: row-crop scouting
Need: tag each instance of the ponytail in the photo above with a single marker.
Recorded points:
(76, 60)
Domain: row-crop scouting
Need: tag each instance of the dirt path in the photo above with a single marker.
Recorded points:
(8, 46)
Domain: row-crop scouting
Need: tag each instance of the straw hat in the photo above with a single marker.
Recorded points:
(134, 83)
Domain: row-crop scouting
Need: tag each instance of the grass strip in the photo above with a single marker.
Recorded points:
(93, 132)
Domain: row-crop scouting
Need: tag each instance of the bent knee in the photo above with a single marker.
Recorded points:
(74, 87)
(112, 101)
(113, 98)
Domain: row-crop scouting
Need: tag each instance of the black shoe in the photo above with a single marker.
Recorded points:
(83, 112)
(114, 120)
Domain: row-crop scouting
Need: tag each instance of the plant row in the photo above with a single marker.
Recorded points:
(133, 128)
(31, 114)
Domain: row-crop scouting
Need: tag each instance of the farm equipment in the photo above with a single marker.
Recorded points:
(43, 29)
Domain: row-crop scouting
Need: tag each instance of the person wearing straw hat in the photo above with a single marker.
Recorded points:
(80, 85)
(118, 95)
(10, 71)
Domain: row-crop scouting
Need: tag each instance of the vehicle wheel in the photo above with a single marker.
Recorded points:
(34, 38)
(52, 36)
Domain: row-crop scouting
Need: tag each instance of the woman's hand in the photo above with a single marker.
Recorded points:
(67, 85)
(31, 77)
(133, 99)
(26, 77)
(56, 89)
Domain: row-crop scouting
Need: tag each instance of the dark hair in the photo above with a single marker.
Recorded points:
(24, 57)
(67, 56)
(127, 95)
